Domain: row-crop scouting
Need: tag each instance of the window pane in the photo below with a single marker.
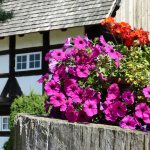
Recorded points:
(18, 66)
(5, 120)
(18, 58)
(24, 58)
(31, 65)
(37, 64)
(37, 56)
(5, 126)
(24, 65)
(31, 57)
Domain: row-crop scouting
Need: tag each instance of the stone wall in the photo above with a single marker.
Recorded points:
(41, 133)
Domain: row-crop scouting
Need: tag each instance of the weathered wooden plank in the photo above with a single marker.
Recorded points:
(41, 133)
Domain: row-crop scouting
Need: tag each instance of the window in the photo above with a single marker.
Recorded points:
(5, 123)
(28, 61)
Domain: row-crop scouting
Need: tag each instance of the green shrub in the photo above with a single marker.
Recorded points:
(32, 104)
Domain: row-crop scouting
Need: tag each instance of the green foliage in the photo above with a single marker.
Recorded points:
(32, 104)
(4, 15)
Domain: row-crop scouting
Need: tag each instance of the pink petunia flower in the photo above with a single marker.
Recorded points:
(57, 100)
(146, 92)
(140, 109)
(72, 70)
(90, 108)
(60, 73)
(119, 108)
(72, 90)
(67, 43)
(43, 78)
(58, 55)
(128, 97)
(82, 71)
(47, 56)
(113, 91)
(102, 40)
(82, 117)
(146, 116)
(128, 122)
(78, 97)
(80, 43)
(52, 65)
(71, 114)
(110, 113)
(67, 103)
(51, 87)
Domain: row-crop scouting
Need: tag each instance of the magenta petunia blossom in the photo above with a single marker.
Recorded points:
(82, 117)
(146, 92)
(51, 87)
(102, 40)
(68, 42)
(82, 71)
(128, 97)
(72, 70)
(128, 122)
(80, 43)
(110, 113)
(119, 108)
(67, 103)
(72, 90)
(140, 109)
(90, 108)
(78, 97)
(71, 114)
(113, 90)
(89, 92)
(146, 116)
(43, 78)
(60, 73)
(48, 56)
(57, 100)
(58, 54)
(52, 65)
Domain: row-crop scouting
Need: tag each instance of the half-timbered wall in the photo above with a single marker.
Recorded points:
(4, 44)
(29, 83)
(25, 45)
(135, 12)
(59, 36)
(4, 61)
(2, 83)
(29, 40)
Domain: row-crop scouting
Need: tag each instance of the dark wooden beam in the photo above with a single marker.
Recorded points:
(4, 52)
(3, 134)
(46, 48)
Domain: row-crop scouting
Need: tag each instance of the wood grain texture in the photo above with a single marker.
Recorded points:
(135, 12)
(41, 133)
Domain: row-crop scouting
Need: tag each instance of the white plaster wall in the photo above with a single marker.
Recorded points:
(2, 83)
(29, 40)
(29, 83)
(4, 64)
(2, 141)
(58, 36)
(4, 44)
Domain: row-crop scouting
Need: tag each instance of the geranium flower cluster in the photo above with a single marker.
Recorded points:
(124, 31)
(73, 95)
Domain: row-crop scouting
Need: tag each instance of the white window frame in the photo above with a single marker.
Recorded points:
(2, 123)
(28, 62)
